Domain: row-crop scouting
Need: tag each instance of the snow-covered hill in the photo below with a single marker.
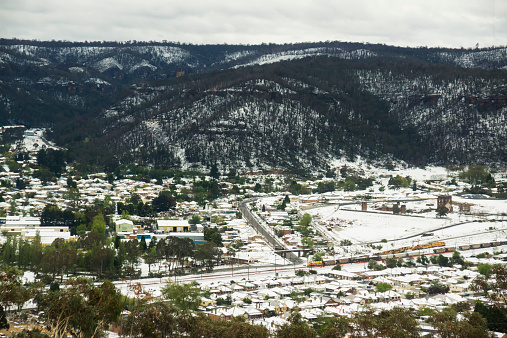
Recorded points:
(263, 106)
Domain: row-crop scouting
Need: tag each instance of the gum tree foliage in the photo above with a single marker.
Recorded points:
(175, 251)
(163, 202)
(437, 288)
(391, 262)
(213, 235)
(307, 241)
(497, 321)
(151, 317)
(449, 325)
(317, 257)
(99, 224)
(444, 261)
(183, 296)
(203, 326)
(195, 219)
(345, 242)
(327, 186)
(214, 172)
(305, 220)
(484, 269)
(81, 308)
(52, 215)
(208, 254)
(398, 182)
(54, 160)
(423, 260)
(493, 284)
(132, 253)
(58, 258)
(476, 175)
(398, 322)
(383, 287)
(329, 327)
(150, 257)
(295, 328)
(12, 291)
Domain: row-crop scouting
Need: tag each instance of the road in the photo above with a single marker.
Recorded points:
(245, 273)
(271, 238)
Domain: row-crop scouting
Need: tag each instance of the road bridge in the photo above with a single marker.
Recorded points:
(270, 237)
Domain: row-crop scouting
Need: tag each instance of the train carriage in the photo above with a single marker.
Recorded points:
(314, 264)
(343, 260)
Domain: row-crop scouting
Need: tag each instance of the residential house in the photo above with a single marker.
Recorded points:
(124, 225)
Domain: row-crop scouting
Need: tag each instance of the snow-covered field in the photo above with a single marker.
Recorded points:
(363, 227)
(342, 218)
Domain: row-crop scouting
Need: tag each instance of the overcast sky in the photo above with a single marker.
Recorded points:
(449, 23)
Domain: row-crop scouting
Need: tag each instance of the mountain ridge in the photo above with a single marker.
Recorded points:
(272, 106)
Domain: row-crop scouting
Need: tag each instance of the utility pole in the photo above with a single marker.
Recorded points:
(275, 261)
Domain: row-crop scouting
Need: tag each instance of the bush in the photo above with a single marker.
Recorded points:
(383, 287)
(301, 273)
(484, 269)
(345, 242)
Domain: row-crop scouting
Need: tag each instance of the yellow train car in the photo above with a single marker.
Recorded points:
(413, 248)
(315, 264)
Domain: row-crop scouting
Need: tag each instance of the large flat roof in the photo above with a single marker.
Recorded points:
(172, 223)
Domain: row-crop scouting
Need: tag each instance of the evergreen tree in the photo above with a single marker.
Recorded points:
(142, 244)
(99, 225)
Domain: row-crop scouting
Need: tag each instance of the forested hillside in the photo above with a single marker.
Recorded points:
(268, 106)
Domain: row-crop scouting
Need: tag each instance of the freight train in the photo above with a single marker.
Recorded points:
(413, 248)
(439, 247)
(482, 245)
(315, 264)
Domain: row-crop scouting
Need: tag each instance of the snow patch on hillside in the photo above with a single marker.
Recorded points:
(238, 55)
(475, 58)
(106, 64)
(142, 64)
(284, 56)
(97, 81)
(4, 57)
(168, 54)
(76, 70)
(302, 53)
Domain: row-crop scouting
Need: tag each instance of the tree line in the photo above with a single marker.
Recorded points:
(113, 258)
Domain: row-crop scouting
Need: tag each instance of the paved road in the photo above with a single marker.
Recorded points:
(273, 240)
